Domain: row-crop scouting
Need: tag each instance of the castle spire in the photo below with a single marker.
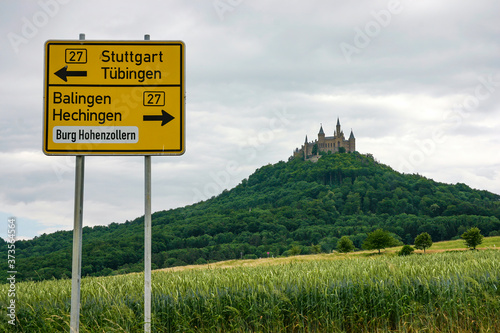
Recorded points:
(306, 139)
(351, 137)
(338, 131)
(321, 129)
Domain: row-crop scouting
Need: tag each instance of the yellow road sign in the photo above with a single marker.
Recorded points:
(114, 98)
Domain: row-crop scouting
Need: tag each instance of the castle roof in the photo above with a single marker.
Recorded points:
(321, 130)
(351, 136)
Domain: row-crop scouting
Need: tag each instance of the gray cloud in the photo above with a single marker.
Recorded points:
(260, 76)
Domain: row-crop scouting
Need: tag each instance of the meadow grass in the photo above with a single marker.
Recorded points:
(441, 292)
(492, 243)
(488, 243)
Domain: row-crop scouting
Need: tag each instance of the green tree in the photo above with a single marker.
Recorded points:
(472, 237)
(353, 204)
(423, 241)
(345, 245)
(315, 248)
(379, 239)
(295, 250)
(315, 149)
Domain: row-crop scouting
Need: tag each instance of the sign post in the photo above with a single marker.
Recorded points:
(76, 265)
(147, 244)
(113, 98)
(76, 270)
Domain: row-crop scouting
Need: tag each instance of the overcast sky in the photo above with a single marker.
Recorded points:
(418, 82)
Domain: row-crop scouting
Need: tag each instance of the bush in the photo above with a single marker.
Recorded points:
(295, 250)
(406, 250)
(200, 261)
(345, 245)
(250, 256)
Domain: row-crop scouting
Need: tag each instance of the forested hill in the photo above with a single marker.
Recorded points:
(281, 209)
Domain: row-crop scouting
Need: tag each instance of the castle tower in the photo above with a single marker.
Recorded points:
(352, 142)
(305, 148)
(321, 132)
(321, 138)
(337, 132)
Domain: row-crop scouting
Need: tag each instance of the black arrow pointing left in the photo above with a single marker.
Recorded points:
(63, 73)
(164, 118)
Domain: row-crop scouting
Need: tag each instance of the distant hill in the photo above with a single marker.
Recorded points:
(288, 207)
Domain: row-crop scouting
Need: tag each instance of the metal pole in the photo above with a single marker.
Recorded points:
(76, 270)
(147, 240)
(77, 245)
(147, 245)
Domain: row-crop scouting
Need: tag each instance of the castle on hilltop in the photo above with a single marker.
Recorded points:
(327, 144)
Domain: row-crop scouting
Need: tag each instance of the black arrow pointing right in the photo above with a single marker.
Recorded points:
(164, 118)
(63, 73)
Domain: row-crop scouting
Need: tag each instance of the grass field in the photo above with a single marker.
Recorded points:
(456, 291)
(488, 243)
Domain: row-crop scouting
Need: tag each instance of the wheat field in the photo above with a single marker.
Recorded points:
(441, 292)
